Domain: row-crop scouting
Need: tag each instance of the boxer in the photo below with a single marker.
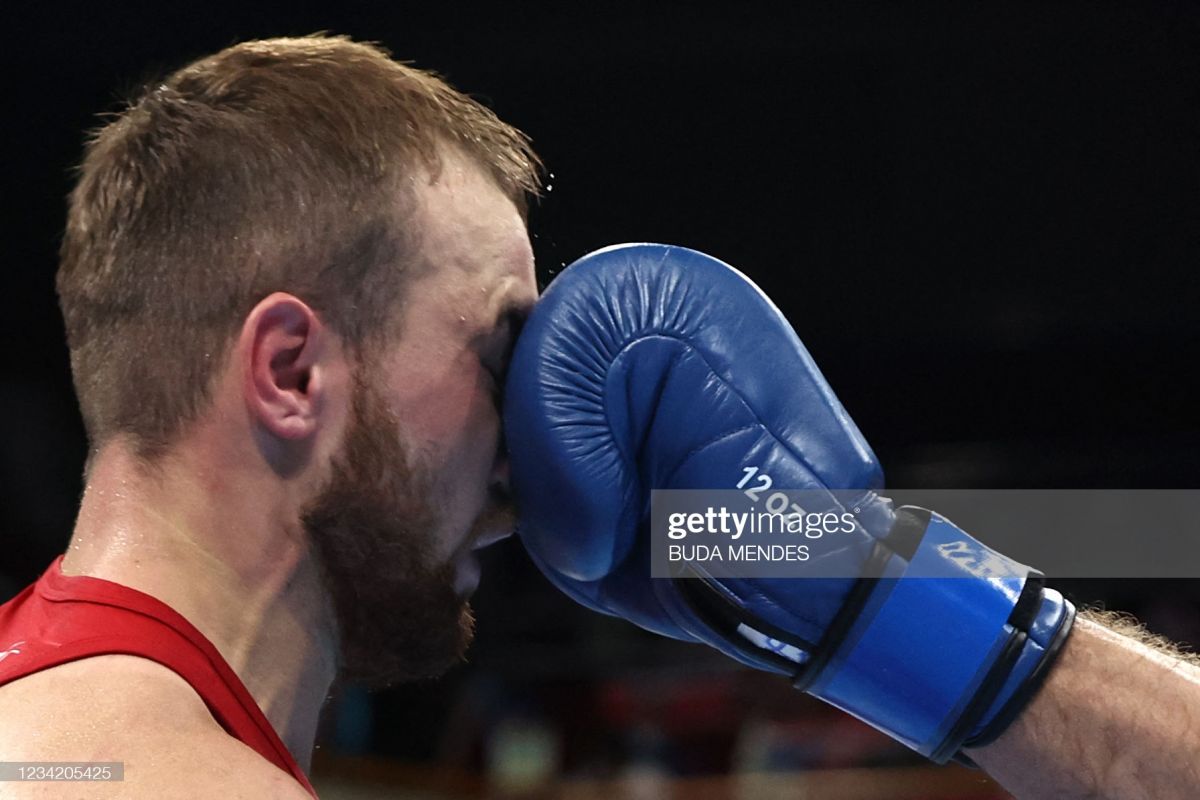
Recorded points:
(289, 277)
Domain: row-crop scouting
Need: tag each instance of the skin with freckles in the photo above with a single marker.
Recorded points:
(318, 518)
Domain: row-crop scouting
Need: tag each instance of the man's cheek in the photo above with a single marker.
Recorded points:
(469, 435)
(441, 414)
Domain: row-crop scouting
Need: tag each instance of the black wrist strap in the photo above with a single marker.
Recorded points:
(902, 540)
(1020, 619)
(1028, 690)
(720, 613)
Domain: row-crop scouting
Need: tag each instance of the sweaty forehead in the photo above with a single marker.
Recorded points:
(470, 225)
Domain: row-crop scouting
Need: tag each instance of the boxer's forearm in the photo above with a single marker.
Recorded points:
(1116, 719)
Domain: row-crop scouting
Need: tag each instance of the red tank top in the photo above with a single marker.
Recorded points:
(63, 618)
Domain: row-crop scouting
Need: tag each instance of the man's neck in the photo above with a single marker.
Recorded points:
(215, 551)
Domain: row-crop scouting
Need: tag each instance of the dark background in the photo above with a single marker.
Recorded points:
(983, 222)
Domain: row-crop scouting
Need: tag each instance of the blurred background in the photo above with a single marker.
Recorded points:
(984, 222)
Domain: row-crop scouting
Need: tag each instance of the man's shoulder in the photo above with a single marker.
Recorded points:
(133, 711)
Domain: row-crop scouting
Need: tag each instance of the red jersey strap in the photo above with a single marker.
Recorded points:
(63, 618)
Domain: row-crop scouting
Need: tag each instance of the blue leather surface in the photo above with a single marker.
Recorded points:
(655, 367)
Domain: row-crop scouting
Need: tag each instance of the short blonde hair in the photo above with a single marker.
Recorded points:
(275, 165)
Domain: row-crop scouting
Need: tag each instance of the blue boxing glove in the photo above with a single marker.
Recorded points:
(648, 367)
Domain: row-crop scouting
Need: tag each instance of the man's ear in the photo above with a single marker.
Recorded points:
(283, 382)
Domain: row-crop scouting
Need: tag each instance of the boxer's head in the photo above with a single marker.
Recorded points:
(305, 246)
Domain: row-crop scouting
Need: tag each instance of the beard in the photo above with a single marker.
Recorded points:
(373, 528)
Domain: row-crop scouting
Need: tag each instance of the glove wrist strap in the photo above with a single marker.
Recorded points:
(934, 659)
